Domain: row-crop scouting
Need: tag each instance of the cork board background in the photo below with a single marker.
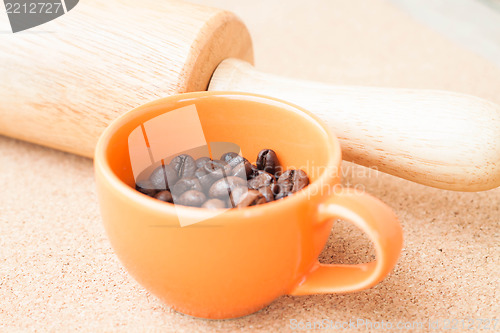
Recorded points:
(58, 272)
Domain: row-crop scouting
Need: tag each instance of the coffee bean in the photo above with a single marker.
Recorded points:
(163, 177)
(146, 187)
(267, 192)
(164, 196)
(236, 195)
(222, 188)
(282, 195)
(204, 178)
(211, 172)
(233, 159)
(243, 170)
(254, 171)
(184, 165)
(191, 198)
(267, 161)
(293, 181)
(186, 184)
(217, 169)
(201, 161)
(251, 198)
(275, 188)
(214, 204)
(217, 184)
(228, 156)
(278, 171)
(262, 179)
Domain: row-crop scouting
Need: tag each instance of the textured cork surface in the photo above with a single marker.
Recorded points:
(58, 272)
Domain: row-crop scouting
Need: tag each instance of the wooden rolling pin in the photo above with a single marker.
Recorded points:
(62, 88)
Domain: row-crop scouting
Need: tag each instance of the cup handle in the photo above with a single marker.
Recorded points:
(381, 225)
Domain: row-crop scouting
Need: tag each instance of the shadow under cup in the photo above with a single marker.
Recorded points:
(238, 261)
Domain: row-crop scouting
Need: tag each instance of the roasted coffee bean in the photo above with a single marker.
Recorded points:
(146, 187)
(228, 156)
(267, 192)
(254, 171)
(293, 181)
(217, 169)
(290, 182)
(251, 198)
(205, 179)
(234, 160)
(267, 161)
(186, 184)
(201, 161)
(191, 198)
(211, 172)
(164, 196)
(262, 179)
(222, 183)
(214, 204)
(236, 195)
(243, 170)
(282, 195)
(275, 188)
(184, 165)
(278, 171)
(222, 188)
(163, 177)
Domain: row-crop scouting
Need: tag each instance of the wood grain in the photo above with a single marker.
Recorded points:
(61, 89)
(436, 138)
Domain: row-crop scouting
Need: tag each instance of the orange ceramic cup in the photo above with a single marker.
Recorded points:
(239, 261)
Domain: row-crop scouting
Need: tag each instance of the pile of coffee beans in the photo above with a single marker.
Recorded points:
(230, 182)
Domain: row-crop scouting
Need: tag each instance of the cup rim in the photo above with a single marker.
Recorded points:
(102, 166)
